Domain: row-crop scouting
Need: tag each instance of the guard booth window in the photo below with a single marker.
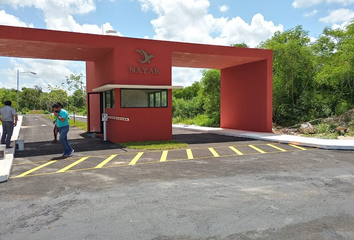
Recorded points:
(146, 98)
(158, 99)
(109, 99)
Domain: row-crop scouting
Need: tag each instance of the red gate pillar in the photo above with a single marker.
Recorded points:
(246, 97)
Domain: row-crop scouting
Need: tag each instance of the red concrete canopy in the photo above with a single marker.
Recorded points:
(48, 44)
(246, 74)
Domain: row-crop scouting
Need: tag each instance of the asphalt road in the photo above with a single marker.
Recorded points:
(289, 194)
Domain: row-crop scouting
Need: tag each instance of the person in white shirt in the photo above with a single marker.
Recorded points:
(9, 121)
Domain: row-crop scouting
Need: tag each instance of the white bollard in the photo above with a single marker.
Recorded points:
(20, 144)
(2, 151)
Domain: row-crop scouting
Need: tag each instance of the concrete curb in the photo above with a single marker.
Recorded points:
(330, 144)
(77, 116)
(6, 164)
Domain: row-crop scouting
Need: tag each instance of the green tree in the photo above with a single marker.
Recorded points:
(210, 95)
(8, 95)
(293, 73)
(187, 92)
(76, 84)
(30, 98)
(186, 102)
(244, 45)
(335, 51)
(55, 95)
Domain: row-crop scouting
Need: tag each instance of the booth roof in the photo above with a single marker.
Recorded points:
(113, 86)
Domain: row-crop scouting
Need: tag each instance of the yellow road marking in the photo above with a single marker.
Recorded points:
(40, 161)
(17, 162)
(104, 162)
(164, 156)
(271, 145)
(236, 151)
(72, 165)
(35, 169)
(153, 162)
(257, 149)
(189, 153)
(297, 147)
(215, 154)
(136, 158)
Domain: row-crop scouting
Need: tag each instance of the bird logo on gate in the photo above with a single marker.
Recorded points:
(146, 57)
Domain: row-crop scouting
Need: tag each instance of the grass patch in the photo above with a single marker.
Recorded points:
(155, 145)
(202, 120)
(322, 135)
(78, 124)
(35, 112)
(82, 125)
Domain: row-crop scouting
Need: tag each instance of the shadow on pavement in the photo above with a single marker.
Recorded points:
(199, 138)
(88, 144)
(80, 145)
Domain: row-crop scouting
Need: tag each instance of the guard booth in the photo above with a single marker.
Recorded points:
(130, 79)
(141, 112)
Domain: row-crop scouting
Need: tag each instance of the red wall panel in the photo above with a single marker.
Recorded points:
(246, 97)
(158, 71)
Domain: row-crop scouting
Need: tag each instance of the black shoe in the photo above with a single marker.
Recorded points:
(8, 147)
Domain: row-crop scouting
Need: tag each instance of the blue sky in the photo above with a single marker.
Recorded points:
(220, 22)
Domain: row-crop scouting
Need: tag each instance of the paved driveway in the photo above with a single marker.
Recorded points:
(217, 188)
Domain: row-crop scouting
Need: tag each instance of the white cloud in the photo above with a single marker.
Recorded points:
(342, 26)
(56, 7)
(310, 3)
(189, 21)
(313, 39)
(68, 23)
(47, 72)
(10, 20)
(312, 13)
(237, 31)
(185, 76)
(338, 16)
(306, 3)
(224, 8)
(343, 2)
(58, 15)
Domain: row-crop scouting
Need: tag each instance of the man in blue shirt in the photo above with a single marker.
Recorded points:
(63, 126)
(9, 121)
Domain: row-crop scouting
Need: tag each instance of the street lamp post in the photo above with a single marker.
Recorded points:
(18, 85)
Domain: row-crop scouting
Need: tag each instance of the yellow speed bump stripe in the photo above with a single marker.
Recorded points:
(164, 156)
(271, 145)
(297, 147)
(189, 153)
(236, 151)
(35, 169)
(136, 158)
(257, 149)
(215, 154)
(104, 162)
(72, 165)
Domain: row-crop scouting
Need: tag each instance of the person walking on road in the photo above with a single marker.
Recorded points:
(63, 126)
(9, 121)
(56, 130)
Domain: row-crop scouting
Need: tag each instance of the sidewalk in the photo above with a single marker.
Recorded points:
(332, 144)
(5, 164)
